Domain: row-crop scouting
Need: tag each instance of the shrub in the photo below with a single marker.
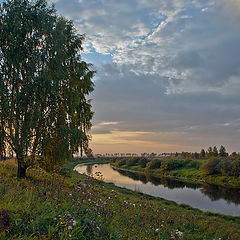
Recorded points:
(192, 164)
(211, 166)
(132, 162)
(154, 164)
(235, 170)
(143, 162)
(230, 167)
(225, 167)
(173, 164)
(121, 162)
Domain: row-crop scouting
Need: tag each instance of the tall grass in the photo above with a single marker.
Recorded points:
(71, 206)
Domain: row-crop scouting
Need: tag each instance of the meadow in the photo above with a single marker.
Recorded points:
(67, 205)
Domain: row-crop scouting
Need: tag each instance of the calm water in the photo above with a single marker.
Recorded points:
(206, 197)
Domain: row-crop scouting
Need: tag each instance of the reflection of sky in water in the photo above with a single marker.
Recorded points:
(192, 197)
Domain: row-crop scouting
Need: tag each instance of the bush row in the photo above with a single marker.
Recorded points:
(133, 161)
(223, 166)
(173, 164)
(163, 164)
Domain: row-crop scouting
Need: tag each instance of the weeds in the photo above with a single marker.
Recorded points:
(52, 206)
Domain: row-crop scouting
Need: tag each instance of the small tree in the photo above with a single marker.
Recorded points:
(233, 155)
(211, 166)
(235, 170)
(215, 151)
(43, 84)
(222, 152)
(202, 154)
(196, 155)
(209, 153)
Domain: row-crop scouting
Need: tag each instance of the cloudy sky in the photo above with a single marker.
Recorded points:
(168, 72)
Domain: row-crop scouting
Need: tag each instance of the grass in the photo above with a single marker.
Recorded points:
(67, 205)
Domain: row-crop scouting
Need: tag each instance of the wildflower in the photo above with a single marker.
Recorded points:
(179, 233)
(157, 230)
(61, 223)
(74, 222)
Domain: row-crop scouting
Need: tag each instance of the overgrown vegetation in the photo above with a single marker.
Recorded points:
(163, 165)
(217, 170)
(222, 166)
(71, 206)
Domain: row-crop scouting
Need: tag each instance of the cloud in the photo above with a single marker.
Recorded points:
(172, 75)
(139, 104)
(232, 6)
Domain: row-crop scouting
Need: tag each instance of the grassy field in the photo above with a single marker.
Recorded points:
(67, 205)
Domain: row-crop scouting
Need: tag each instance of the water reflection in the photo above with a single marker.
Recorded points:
(166, 182)
(206, 197)
(89, 168)
(231, 195)
(214, 192)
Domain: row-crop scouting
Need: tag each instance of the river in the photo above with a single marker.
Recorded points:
(206, 197)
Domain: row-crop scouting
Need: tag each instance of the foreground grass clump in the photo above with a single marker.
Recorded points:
(71, 206)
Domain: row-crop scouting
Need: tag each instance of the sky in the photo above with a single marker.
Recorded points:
(168, 72)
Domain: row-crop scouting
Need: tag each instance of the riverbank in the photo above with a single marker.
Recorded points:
(67, 205)
(191, 175)
(76, 161)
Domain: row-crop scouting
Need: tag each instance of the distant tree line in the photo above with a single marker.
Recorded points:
(210, 162)
(209, 153)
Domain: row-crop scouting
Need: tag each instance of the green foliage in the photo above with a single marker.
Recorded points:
(121, 162)
(188, 163)
(202, 154)
(173, 164)
(222, 152)
(162, 164)
(43, 84)
(222, 166)
(235, 167)
(143, 162)
(54, 155)
(215, 151)
(211, 166)
(132, 161)
(47, 206)
(154, 164)
(209, 153)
